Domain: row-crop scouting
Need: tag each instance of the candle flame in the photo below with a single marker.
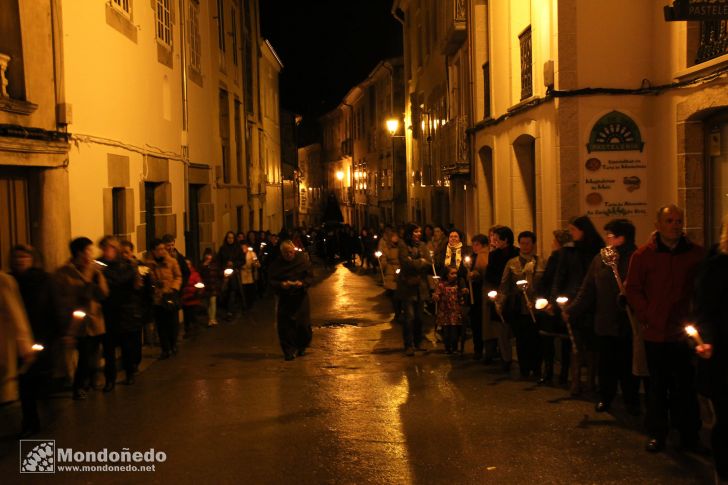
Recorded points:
(378, 254)
(79, 314)
(562, 300)
(691, 330)
(100, 263)
(492, 294)
(37, 347)
(200, 285)
(228, 272)
(397, 272)
(541, 303)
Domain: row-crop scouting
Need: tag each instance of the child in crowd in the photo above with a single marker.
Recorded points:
(192, 299)
(448, 296)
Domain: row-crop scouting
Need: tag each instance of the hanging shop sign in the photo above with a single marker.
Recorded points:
(614, 182)
(615, 132)
(697, 10)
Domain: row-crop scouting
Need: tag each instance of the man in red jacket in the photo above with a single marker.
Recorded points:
(660, 283)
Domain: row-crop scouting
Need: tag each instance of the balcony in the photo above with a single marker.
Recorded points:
(713, 40)
(454, 147)
(455, 26)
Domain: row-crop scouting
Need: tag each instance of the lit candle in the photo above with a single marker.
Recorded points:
(492, 294)
(397, 272)
(378, 254)
(541, 303)
(200, 285)
(522, 285)
(562, 300)
(467, 261)
(37, 347)
(80, 314)
(228, 272)
(693, 333)
(100, 263)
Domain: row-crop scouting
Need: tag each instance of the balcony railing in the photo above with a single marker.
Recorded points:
(454, 147)
(455, 26)
(713, 40)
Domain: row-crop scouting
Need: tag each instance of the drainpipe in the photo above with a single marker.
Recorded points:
(185, 116)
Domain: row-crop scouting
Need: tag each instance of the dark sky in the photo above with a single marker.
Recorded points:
(327, 47)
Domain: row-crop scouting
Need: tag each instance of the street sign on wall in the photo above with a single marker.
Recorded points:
(697, 10)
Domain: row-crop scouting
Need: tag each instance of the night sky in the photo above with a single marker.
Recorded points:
(327, 47)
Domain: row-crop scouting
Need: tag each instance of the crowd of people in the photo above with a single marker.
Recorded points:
(615, 314)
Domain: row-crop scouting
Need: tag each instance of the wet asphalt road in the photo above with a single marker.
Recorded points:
(354, 410)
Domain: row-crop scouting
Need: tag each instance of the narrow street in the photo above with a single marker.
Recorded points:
(229, 409)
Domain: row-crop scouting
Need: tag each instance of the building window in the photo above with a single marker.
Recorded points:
(713, 40)
(234, 20)
(221, 24)
(238, 141)
(118, 204)
(123, 6)
(526, 64)
(195, 42)
(225, 135)
(164, 22)
(486, 90)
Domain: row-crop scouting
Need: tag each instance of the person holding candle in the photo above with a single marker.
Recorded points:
(191, 299)
(248, 274)
(166, 279)
(389, 262)
(478, 319)
(230, 256)
(210, 275)
(80, 286)
(502, 250)
(515, 304)
(412, 289)
(711, 310)
(290, 277)
(598, 295)
(659, 288)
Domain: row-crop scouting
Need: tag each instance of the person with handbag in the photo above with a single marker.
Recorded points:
(166, 278)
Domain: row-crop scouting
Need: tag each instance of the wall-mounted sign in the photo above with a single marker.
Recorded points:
(615, 187)
(614, 132)
(697, 10)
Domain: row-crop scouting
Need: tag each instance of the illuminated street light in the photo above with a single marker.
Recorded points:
(340, 175)
(392, 126)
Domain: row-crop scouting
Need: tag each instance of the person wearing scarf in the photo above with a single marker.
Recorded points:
(514, 306)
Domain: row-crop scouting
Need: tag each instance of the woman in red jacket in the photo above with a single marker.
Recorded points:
(192, 300)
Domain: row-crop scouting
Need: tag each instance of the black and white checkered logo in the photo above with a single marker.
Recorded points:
(37, 456)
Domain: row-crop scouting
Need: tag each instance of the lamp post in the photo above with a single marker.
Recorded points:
(340, 178)
(393, 128)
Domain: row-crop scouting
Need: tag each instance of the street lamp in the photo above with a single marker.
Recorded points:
(393, 128)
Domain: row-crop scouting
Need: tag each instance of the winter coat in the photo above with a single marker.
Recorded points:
(415, 264)
(497, 260)
(36, 289)
(390, 265)
(449, 300)
(660, 285)
(210, 275)
(180, 258)
(85, 292)
(122, 309)
(16, 337)
(599, 295)
(247, 272)
(165, 275)
(509, 296)
(573, 265)
(230, 256)
(549, 275)
(712, 322)
(190, 294)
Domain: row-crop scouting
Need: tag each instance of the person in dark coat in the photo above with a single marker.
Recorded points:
(711, 292)
(412, 289)
(230, 256)
(551, 323)
(135, 308)
(574, 262)
(598, 295)
(290, 276)
(503, 250)
(36, 290)
(210, 274)
(660, 284)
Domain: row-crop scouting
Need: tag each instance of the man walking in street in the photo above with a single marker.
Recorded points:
(290, 276)
(660, 284)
